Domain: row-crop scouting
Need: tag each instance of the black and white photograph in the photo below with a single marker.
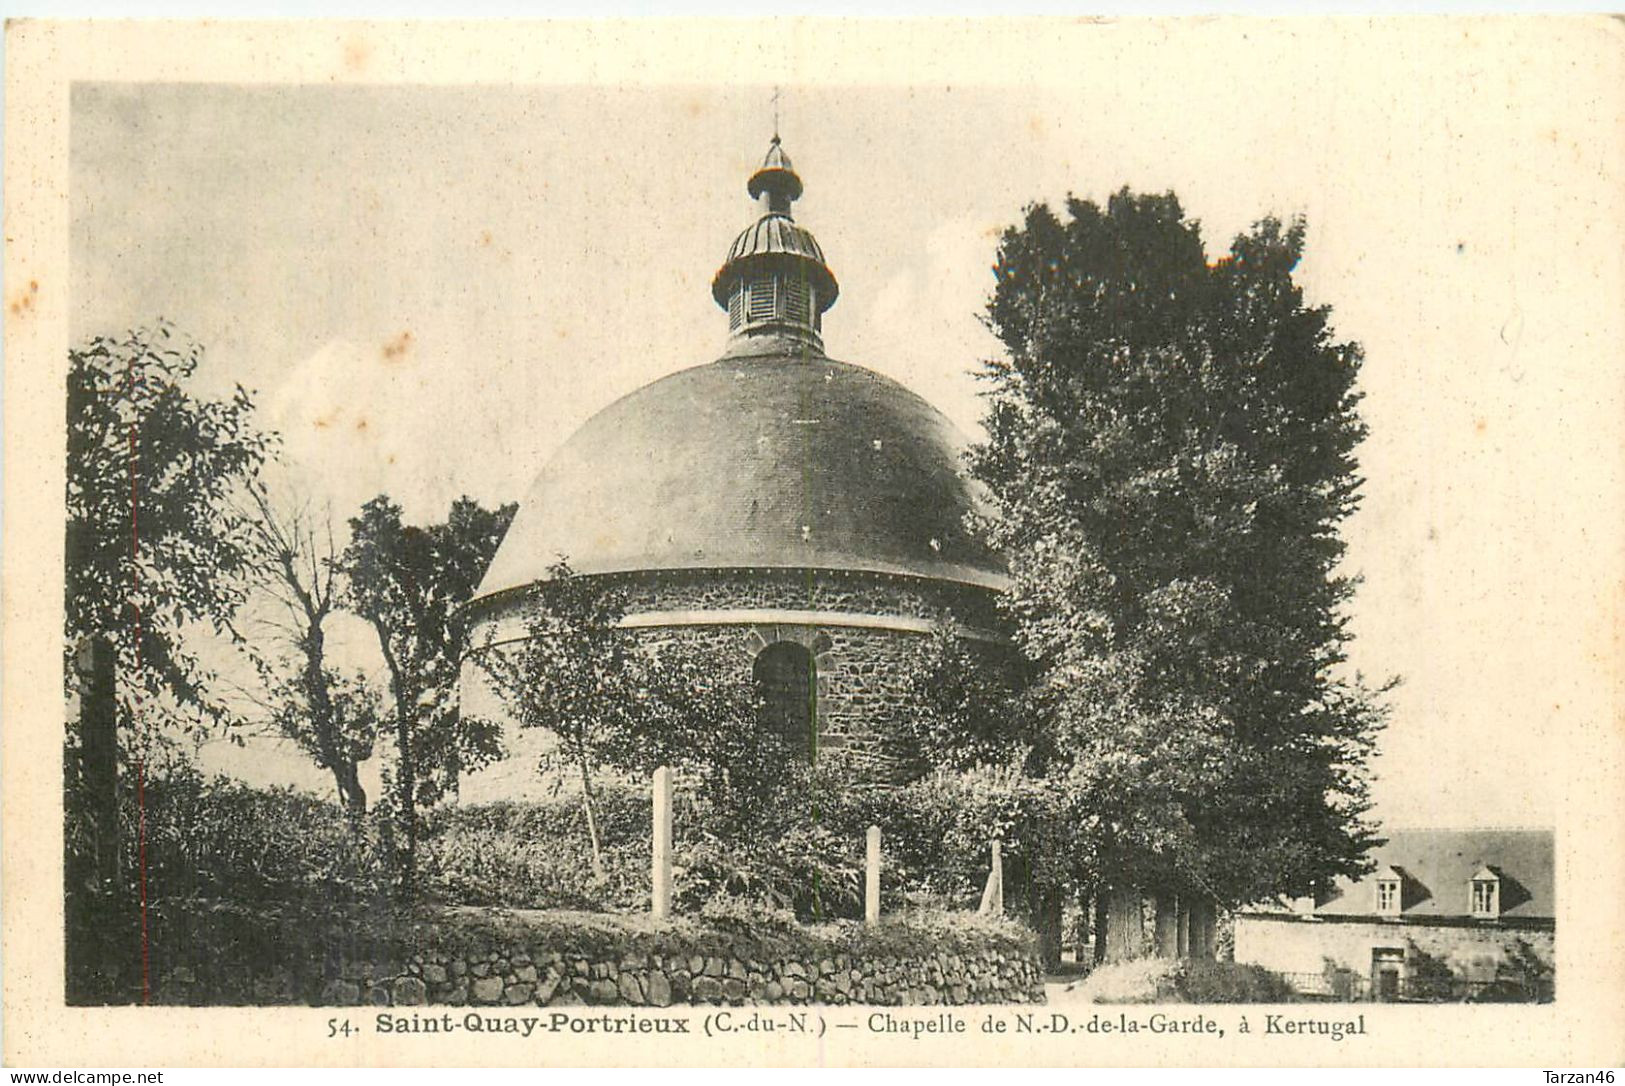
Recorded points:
(1091, 534)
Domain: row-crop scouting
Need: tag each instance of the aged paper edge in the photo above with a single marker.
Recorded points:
(1587, 1025)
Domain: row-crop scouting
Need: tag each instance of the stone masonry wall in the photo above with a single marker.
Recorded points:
(515, 977)
(861, 671)
(1472, 952)
(471, 957)
(809, 590)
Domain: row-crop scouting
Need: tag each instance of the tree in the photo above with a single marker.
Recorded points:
(155, 540)
(332, 716)
(407, 583)
(616, 702)
(1171, 450)
(964, 705)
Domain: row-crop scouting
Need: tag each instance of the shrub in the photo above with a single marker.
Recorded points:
(1429, 977)
(808, 871)
(1140, 980)
(924, 860)
(917, 932)
(1521, 975)
(802, 854)
(1231, 982)
(805, 852)
(938, 831)
(746, 917)
(1179, 980)
(222, 839)
(205, 839)
(538, 855)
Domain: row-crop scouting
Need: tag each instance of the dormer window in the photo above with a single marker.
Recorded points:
(1486, 896)
(1390, 883)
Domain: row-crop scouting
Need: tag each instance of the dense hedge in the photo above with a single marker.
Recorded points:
(536, 855)
(221, 841)
(218, 841)
(224, 840)
(204, 839)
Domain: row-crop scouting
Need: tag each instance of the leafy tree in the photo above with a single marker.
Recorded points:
(579, 677)
(614, 701)
(964, 702)
(1522, 974)
(155, 540)
(332, 716)
(407, 582)
(1171, 449)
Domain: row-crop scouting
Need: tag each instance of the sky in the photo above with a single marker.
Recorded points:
(430, 287)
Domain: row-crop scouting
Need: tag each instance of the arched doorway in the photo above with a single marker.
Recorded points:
(787, 677)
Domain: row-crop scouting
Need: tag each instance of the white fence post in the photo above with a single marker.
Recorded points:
(993, 893)
(871, 880)
(660, 905)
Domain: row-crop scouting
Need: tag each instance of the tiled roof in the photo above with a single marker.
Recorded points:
(1438, 866)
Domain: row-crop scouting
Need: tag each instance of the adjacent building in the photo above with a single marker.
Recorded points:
(1445, 914)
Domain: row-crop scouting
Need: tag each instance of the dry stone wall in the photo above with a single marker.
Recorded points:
(664, 980)
(476, 957)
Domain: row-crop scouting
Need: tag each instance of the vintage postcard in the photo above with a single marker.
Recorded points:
(814, 541)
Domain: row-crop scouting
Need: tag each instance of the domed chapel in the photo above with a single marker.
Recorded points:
(805, 516)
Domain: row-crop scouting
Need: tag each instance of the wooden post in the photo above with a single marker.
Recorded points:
(871, 881)
(660, 905)
(98, 749)
(993, 892)
(998, 878)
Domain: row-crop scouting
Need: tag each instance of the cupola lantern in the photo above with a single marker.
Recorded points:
(775, 284)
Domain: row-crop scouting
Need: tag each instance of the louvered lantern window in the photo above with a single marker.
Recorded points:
(761, 299)
(736, 307)
(795, 300)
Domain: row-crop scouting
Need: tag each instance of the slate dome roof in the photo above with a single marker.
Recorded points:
(772, 457)
(769, 461)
